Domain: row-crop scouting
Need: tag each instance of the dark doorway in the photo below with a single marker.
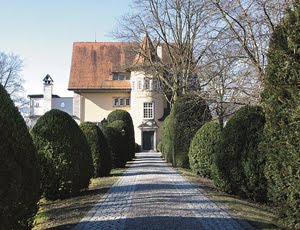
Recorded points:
(148, 140)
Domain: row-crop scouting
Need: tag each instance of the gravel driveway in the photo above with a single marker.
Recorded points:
(152, 195)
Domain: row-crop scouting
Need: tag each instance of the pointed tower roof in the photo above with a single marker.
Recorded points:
(147, 52)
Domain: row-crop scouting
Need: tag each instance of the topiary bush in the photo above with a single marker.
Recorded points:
(166, 137)
(117, 143)
(99, 149)
(19, 175)
(188, 114)
(64, 155)
(124, 116)
(281, 103)
(203, 148)
(239, 163)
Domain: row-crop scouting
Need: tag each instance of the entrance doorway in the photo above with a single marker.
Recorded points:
(148, 140)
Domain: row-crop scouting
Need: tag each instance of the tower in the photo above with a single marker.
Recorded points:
(48, 88)
(146, 99)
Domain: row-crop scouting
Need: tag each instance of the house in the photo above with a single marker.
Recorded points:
(42, 103)
(105, 76)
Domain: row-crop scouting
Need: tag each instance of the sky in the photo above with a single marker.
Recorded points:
(42, 33)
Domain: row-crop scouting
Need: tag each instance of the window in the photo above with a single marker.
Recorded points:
(37, 104)
(127, 101)
(147, 84)
(116, 101)
(121, 76)
(121, 102)
(115, 76)
(139, 85)
(133, 85)
(148, 110)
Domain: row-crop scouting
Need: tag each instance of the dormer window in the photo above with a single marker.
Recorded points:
(115, 77)
(119, 76)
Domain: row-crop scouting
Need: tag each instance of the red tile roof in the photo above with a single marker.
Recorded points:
(93, 64)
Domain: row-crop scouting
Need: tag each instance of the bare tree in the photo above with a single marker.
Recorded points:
(10, 69)
(180, 26)
(226, 86)
(249, 24)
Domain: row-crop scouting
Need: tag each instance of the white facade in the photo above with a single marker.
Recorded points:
(147, 107)
(42, 103)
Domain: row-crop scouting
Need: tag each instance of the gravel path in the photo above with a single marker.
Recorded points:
(152, 195)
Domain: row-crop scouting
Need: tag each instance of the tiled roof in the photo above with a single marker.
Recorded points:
(93, 64)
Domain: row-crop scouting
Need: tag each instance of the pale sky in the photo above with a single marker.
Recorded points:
(42, 33)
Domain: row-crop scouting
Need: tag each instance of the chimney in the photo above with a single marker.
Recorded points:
(48, 88)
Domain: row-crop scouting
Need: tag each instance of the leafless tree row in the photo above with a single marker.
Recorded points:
(215, 47)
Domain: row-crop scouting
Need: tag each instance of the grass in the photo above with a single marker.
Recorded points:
(259, 216)
(65, 214)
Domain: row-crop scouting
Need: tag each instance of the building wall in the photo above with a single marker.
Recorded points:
(64, 104)
(36, 106)
(96, 106)
(138, 98)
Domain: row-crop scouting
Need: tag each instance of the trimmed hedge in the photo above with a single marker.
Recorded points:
(239, 163)
(64, 155)
(124, 116)
(166, 137)
(281, 103)
(188, 114)
(117, 143)
(99, 149)
(203, 148)
(19, 175)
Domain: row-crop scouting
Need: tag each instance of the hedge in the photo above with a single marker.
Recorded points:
(281, 103)
(203, 148)
(239, 163)
(166, 136)
(188, 114)
(99, 149)
(117, 143)
(64, 155)
(124, 116)
(19, 175)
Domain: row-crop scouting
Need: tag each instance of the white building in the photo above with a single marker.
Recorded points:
(42, 103)
(105, 76)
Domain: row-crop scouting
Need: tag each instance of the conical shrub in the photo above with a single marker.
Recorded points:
(19, 175)
(64, 155)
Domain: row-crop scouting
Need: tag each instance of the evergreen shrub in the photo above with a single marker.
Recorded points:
(124, 116)
(64, 155)
(117, 143)
(239, 163)
(188, 114)
(203, 148)
(281, 103)
(19, 175)
(166, 148)
(99, 149)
